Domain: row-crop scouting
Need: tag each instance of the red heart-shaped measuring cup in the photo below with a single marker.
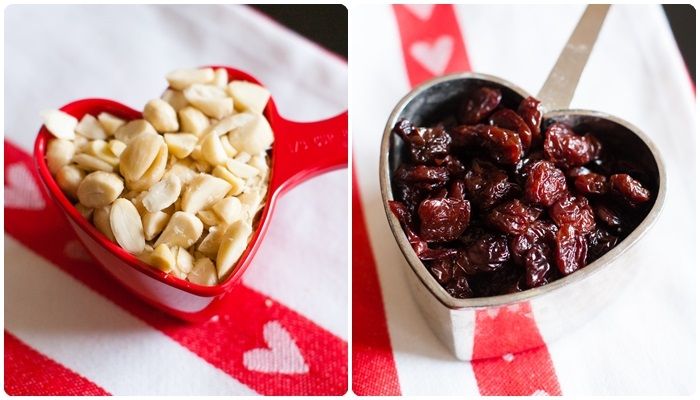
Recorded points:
(301, 150)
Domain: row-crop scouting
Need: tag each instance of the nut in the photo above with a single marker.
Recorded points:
(184, 260)
(126, 226)
(180, 144)
(193, 121)
(182, 169)
(248, 96)
(243, 170)
(208, 218)
(237, 184)
(154, 223)
(162, 258)
(202, 192)
(229, 209)
(243, 157)
(60, 124)
(133, 129)
(175, 98)
(182, 78)
(59, 152)
(203, 272)
(252, 138)
(162, 194)
(100, 189)
(212, 150)
(233, 244)
(86, 212)
(100, 218)
(182, 230)
(230, 150)
(232, 122)
(92, 163)
(69, 178)
(100, 149)
(220, 77)
(117, 147)
(211, 243)
(139, 155)
(90, 128)
(161, 115)
(109, 122)
(210, 100)
(154, 173)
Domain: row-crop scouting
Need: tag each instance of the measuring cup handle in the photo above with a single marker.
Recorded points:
(306, 149)
(558, 89)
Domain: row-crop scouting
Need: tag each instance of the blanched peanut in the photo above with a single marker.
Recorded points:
(238, 168)
(229, 209)
(208, 218)
(248, 96)
(116, 147)
(69, 178)
(138, 202)
(212, 150)
(133, 129)
(162, 258)
(243, 157)
(85, 211)
(154, 223)
(184, 260)
(193, 121)
(154, 173)
(60, 124)
(202, 192)
(230, 150)
(90, 128)
(100, 218)
(210, 100)
(139, 155)
(260, 163)
(126, 226)
(100, 189)
(212, 241)
(92, 163)
(180, 144)
(182, 78)
(253, 137)
(182, 230)
(233, 244)
(231, 123)
(220, 77)
(100, 149)
(161, 115)
(162, 194)
(59, 152)
(251, 202)
(109, 122)
(203, 272)
(182, 169)
(175, 98)
(237, 184)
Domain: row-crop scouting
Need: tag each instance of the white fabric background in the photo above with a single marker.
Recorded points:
(57, 54)
(643, 343)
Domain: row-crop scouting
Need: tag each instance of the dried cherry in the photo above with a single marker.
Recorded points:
(512, 217)
(567, 149)
(545, 183)
(480, 104)
(570, 250)
(573, 211)
(629, 189)
(443, 219)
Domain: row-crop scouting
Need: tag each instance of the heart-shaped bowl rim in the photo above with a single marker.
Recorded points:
(96, 105)
(507, 299)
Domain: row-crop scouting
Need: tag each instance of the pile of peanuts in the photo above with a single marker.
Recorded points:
(180, 188)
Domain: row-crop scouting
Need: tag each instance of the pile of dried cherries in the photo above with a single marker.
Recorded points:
(492, 203)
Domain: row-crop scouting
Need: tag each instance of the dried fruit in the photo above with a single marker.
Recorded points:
(480, 104)
(512, 217)
(629, 189)
(570, 250)
(443, 219)
(545, 183)
(573, 211)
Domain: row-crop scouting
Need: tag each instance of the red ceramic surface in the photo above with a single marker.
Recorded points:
(300, 151)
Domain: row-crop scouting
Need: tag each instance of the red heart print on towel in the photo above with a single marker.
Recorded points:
(21, 191)
(282, 355)
(434, 56)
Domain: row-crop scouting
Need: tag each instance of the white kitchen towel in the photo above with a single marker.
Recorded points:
(68, 329)
(644, 342)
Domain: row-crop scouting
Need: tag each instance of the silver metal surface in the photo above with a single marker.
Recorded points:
(559, 88)
(560, 306)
